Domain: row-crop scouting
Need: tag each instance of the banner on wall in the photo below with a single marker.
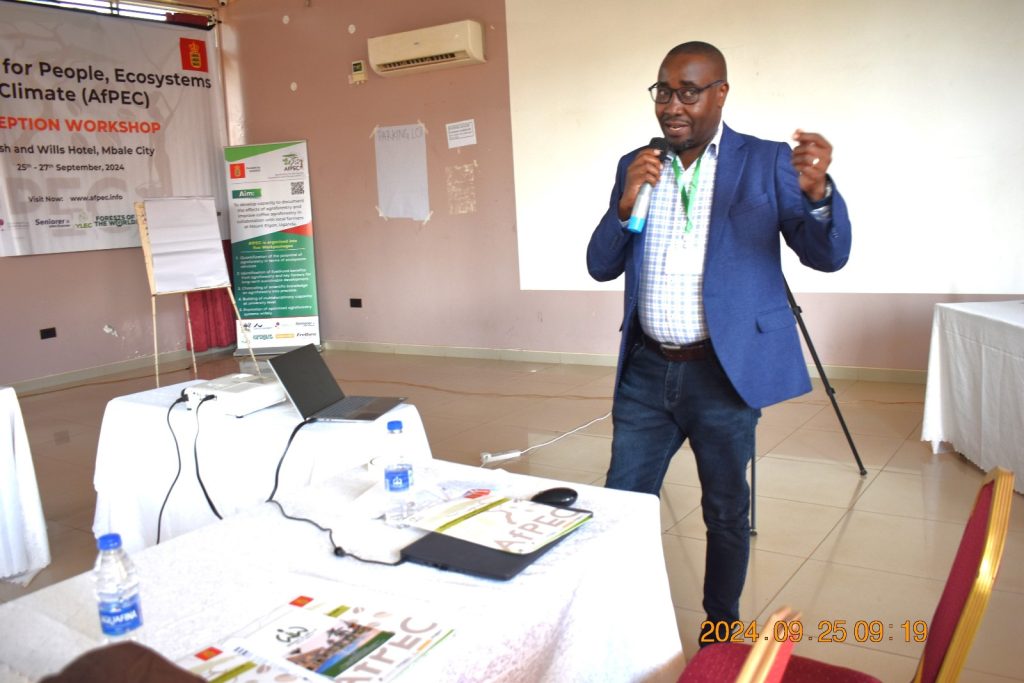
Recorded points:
(272, 245)
(97, 113)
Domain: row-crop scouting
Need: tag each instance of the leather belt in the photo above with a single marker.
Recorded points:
(679, 352)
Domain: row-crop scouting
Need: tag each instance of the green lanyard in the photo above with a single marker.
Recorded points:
(687, 196)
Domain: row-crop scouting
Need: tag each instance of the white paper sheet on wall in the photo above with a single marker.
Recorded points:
(402, 172)
(461, 133)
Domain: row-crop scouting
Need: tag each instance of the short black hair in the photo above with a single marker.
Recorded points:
(697, 47)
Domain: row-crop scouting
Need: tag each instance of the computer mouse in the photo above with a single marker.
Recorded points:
(561, 496)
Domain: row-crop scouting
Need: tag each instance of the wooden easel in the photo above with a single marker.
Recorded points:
(156, 289)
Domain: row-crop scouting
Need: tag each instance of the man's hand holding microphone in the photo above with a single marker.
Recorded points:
(641, 176)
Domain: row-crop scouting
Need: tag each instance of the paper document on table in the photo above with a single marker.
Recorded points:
(232, 662)
(444, 513)
(308, 640)
(512, 525)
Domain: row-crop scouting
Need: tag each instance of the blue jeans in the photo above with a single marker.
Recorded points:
(660, 404)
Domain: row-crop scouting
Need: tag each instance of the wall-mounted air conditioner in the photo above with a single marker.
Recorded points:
(437, 47)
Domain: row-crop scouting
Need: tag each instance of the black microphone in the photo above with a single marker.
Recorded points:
(638, 218)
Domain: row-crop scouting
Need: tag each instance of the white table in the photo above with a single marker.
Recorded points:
(975, 394)
(136, 460)
(24, 548)
(594, 608)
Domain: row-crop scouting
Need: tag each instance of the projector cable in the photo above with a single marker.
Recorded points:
(195, 455)
(338, 550)
(160, 517)
(280, 462)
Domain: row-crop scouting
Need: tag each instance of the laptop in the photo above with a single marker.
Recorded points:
(455, 554)
(312, 389)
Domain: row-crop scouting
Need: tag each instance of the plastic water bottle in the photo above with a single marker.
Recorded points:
(398, 478)
(117, 591)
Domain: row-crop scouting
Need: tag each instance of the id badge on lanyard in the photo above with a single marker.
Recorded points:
(685, 256)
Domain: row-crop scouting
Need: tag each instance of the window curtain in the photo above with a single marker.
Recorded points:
(213, 316)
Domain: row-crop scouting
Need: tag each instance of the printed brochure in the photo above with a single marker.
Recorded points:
(310, 640)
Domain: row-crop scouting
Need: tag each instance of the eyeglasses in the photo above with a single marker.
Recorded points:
(662, 94)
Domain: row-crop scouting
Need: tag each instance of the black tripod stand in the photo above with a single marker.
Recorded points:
(831, 395)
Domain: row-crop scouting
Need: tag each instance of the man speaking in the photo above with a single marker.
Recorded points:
(708, 337)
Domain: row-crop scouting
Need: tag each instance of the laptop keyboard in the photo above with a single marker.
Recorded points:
(345, 407)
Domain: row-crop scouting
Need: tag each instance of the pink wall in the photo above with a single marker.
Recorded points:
(79, 294)
(451, 282)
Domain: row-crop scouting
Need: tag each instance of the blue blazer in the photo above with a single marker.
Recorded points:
(751, 326)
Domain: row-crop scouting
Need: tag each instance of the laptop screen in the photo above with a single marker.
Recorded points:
(306, 379)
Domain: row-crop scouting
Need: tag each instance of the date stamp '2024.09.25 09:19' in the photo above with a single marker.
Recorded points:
(828, 631)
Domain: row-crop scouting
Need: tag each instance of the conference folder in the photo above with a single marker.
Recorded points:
(497, 542)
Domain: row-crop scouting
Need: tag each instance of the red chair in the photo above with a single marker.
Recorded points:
(762, 662)
(969, 586)
(957, 616)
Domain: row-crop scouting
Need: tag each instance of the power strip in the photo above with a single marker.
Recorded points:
(488, 458)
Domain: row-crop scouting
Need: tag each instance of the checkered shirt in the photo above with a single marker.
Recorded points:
(670, 304)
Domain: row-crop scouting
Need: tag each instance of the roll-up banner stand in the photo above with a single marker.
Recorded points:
(272, 246)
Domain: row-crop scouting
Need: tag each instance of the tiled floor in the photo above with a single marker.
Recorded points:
(834, 544)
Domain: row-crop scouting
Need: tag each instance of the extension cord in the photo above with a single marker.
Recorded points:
(488, 458)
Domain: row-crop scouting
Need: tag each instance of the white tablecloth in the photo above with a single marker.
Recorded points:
(595, 608)
(136, 460)
(24, 548)
(975, 394)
